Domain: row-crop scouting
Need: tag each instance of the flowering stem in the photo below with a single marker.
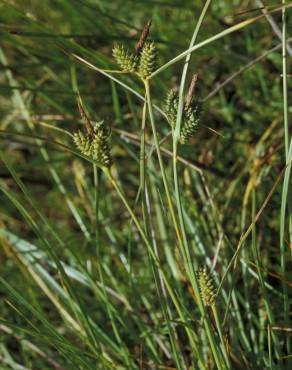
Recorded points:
(191, 334)
(182, 243)
(219, 329)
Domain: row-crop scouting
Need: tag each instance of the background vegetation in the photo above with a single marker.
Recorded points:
(79, 287)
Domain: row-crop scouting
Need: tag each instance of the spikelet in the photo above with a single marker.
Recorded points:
(171, 105)
(101, 151)
(148, 60)
(95, 146)
(207, 287)
(125, 59)
(191, 118)
(83, 143)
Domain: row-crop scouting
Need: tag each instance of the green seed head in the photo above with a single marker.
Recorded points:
(83, 143)
(171, 105)
(191, 118)
(95, 146)
(207, 286)
(126, 60)
(148, 60)
(101, 150)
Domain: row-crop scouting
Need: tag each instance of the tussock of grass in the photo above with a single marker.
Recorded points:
(109, 211)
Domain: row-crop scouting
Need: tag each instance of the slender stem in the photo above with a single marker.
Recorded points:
(186, 255)
(142, 166)
(260, 275)
(176, 135)
(191, 334)
(286, 139)
(223, 344)
(126, 356)
(284, 72)
(146, 211)
(160, 160)
(218, 36)
(160, 286)
(244, 236)
(270, 347)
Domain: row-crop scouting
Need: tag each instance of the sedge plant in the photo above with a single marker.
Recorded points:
(140, 232)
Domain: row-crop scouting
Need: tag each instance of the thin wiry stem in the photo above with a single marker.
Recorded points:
(260, 275)
(220, 332)
(96, 172)
(176, 135)
(191, 334)
(149, 230)
(286, 140)
(273, 23)
(249, 229)
(230, 30)
(185, 252)
(241, 70)
(124, 85)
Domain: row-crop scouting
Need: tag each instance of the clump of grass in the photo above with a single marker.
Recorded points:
(100, 259)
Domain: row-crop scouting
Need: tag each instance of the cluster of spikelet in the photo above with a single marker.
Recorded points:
(126, 60)
(95, 143)
(143, 61)
(207, 286)
(190, 118)
(95, 146)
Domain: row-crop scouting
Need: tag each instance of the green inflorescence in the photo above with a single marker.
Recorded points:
(190, 122)
(143, 63)
(95, 146)
(190, 118)
(148, 60)
(171, 105)
(207, 286)
(125, 59)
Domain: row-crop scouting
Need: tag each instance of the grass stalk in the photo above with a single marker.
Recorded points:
(260, 275)
(150, 230)
(187, 257)
(289, 203)
(218, 36)
(220, 332)
(176, 135)
(125, 354)
(153, 256)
